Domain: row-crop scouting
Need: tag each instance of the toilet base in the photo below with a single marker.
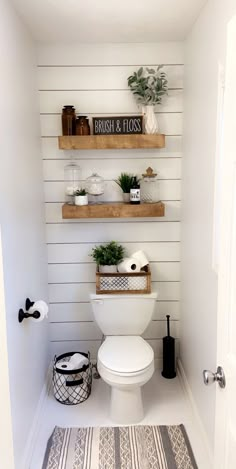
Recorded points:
(126, 405)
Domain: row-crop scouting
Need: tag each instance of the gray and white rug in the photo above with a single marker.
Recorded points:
(137, 447)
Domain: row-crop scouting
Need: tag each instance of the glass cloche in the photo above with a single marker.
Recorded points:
(72, 179)
(149, 187)
(95, 186)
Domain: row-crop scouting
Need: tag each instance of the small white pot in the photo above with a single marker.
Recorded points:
(108, 269)
(126, 197)
(81, 199)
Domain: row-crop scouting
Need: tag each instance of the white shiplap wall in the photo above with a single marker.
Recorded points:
(94, 79)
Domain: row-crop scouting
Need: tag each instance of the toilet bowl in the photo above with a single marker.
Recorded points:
(126, 363)
(125, 359)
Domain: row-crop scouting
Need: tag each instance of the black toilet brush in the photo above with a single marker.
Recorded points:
(168, 354)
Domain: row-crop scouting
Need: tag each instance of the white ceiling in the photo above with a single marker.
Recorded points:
(109, 20)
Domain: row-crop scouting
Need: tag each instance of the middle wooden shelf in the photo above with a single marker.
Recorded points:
(113, 210)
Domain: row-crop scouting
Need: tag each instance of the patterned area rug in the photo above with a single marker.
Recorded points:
(138, 447)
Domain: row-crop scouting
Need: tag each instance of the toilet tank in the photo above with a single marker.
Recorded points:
(123, 314)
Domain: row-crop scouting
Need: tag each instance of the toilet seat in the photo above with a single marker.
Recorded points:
(125, 355)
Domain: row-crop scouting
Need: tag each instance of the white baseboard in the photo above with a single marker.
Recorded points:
(198, 422)
(33, 434)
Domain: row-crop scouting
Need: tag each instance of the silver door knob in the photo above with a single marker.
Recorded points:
(218, 377)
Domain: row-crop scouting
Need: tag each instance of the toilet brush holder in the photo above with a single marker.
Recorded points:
(168, 354)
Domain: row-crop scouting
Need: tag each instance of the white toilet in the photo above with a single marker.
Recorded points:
(125, 360)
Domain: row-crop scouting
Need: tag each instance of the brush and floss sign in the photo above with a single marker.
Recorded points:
(118, 125)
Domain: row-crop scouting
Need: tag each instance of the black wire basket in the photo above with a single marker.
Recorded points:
(72, 387)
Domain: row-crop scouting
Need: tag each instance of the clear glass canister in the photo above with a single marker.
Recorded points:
(95, 186)
(72, 181)
(149, 187)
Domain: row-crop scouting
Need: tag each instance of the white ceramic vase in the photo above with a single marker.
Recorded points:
(107, 269)
(150, 121)
(81, 199)
(126, 197)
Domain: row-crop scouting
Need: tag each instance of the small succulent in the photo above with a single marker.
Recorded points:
(108, 254)
(80, 192)
(148, 85)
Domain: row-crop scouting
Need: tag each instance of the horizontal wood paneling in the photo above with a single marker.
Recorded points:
(73, 312)
(90, 331)
(69, 253)
(173, 148)
(110, 54)
(161, 271)
(94, 79)
(74, 292)
(105, 101)
(95, 232)
(168, 190)
(166, 169)
(169, 124)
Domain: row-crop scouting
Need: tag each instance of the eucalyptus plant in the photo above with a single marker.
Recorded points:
(148, 85)
(108, 254)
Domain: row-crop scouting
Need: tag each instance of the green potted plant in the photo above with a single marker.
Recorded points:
(81, 197)
(149, 86)
(125, 182)
(107, 256)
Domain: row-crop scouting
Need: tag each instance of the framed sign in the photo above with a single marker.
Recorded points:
(118, 125)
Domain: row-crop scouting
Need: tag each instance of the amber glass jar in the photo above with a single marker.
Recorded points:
(82, 126)
(68, 119)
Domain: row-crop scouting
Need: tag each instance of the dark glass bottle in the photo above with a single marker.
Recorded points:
(68, 119)
(135, 192)
(82, 126)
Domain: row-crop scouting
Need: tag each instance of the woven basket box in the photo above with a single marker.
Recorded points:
(126, 283)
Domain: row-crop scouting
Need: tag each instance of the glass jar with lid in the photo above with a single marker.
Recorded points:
(95, 186)
(71, 181)
(149, 187)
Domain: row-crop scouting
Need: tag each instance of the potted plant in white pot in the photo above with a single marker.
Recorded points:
(107, 256)
(125, 182)
(81, 197)
(149, 86)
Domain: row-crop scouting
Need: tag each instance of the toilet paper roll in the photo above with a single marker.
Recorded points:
(77, 360)
(129, 265)
(60, 389)
(140, 256)
(63, 365)
(42, 308)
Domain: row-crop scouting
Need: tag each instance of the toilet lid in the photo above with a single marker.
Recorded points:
(125, 354)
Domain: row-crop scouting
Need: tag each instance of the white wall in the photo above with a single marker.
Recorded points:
(205, 48)
(94, 79)
(22, 221)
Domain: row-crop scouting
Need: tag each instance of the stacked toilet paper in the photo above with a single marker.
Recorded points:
(42, 308)
(135, 263)
(70, 393)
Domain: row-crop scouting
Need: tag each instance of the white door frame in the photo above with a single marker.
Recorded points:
(6, 440)
(225, 422)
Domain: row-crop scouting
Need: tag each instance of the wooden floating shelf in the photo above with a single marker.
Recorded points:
(105, 142)
(113, 210)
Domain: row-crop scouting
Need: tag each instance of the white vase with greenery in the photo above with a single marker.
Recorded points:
(149, 86)
(125, 182)
(108, 256)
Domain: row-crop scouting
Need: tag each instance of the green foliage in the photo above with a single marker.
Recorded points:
(125, 181)
(148, 85)
(108, 254)
(80, 192)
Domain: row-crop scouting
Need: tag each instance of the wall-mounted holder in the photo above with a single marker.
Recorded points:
(24, 315)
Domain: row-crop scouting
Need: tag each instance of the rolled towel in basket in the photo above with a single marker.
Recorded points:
(129, 265)
(78, 360)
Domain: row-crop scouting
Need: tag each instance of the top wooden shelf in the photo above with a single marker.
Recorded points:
(103, 142)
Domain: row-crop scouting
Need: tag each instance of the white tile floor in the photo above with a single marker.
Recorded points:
(164, 404)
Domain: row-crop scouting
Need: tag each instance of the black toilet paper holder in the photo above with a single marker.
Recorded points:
(24, 315)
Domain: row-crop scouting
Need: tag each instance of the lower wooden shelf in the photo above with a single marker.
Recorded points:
(113, 210)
